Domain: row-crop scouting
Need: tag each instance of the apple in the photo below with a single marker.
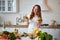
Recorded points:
(7, 36)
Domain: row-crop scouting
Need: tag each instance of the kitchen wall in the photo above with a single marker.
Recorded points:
(47, 16)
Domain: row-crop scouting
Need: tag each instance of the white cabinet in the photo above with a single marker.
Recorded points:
(8, 5)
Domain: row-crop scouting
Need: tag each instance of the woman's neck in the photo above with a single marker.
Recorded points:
(35, 15)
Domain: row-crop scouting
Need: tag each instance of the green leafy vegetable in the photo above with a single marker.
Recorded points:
(12, 36)
(45, 36)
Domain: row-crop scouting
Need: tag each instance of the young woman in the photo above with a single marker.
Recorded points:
(35, 19)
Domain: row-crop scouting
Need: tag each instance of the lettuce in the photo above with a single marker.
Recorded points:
(45, 36)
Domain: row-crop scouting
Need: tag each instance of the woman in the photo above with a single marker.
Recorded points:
(35, 19)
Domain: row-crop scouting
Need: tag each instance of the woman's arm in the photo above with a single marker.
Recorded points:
(26, 20)
(39, 22)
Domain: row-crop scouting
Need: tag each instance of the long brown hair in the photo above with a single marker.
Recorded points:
(38, 14)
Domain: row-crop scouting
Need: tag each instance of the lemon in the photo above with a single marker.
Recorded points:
(37, 31)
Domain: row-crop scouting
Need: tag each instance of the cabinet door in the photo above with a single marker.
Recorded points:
(10, 5)
(2, 5)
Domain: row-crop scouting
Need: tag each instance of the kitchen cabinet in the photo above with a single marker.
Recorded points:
(8, 6)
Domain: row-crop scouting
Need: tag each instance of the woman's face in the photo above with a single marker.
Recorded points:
(35, 10)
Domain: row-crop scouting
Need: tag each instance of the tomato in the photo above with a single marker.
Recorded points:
(1, 36)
